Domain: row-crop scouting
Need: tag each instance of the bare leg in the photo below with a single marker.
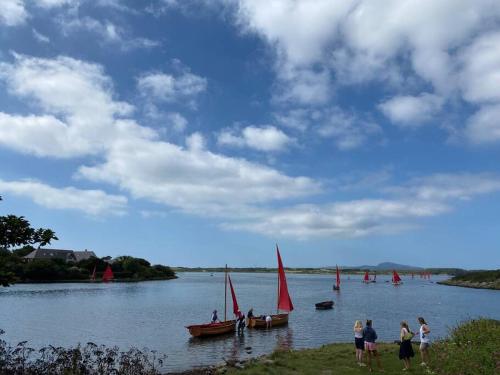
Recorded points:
(369, 354)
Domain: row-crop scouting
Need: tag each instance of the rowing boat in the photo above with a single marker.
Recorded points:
(212, 329)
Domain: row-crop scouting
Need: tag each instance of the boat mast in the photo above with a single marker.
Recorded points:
(225, 292)
(278, 299)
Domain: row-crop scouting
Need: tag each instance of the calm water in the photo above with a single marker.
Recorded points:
(153, 314)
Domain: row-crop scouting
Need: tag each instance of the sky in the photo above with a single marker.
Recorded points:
(203, 132)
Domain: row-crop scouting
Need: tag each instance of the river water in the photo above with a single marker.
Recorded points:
(153, 314)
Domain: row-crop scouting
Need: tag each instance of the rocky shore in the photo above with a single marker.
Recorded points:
(473, 284)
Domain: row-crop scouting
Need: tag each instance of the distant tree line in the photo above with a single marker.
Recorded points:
(18, 239)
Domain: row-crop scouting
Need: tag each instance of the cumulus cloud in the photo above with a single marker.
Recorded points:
(81, 116)
(12, 12)
(261, 138)
(484, 126)
(91, 202)
(411, 111)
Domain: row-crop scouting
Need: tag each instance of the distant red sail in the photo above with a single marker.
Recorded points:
(236, 308)
(108, 274)
(284, 300)
(367, 277)
(338, 277)
(395, 277)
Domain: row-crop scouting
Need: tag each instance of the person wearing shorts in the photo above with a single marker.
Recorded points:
(425, 341)
(359, 342)
(370, 336)
(269, 321)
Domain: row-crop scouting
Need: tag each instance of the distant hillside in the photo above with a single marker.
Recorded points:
(476, 279)
(386, 266)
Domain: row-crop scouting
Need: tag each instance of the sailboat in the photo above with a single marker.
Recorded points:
(226, 326)
(366, 278)
(108, 274)
(337, 281)
(396, 280)
(284, 301)
(92, 277)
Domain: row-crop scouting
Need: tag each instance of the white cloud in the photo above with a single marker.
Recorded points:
(262, 138)
(108, 31)
(40, 37)
(484, 126)
(81, 117)
(12, 12)
(170, 88)
(344, 219)
(91, 202)
(194, 179)
(420, 198)
(177, 121)
(411, 111)
(55, 3)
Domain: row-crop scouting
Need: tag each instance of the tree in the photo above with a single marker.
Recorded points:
(16, 231)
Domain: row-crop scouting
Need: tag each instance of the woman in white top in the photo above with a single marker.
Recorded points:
(425, 340)
(359, 342)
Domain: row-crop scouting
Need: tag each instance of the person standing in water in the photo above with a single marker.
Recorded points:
(359, 342)
(370, 336)
(425, 341)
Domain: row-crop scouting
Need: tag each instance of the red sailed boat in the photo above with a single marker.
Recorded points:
(284, 301)
(108, 274)
(337, 280)
(214, 329)
(396, 280)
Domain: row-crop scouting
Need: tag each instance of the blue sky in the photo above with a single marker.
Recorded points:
(200, 133)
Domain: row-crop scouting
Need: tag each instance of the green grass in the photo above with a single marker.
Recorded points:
(479, 276)
(472, 349)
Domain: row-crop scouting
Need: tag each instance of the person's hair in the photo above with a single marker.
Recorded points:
(421, 320)
(404, 324)
(358, 324)
(369, 322)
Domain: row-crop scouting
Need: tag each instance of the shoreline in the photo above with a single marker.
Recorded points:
(489, 285)
(95, 281)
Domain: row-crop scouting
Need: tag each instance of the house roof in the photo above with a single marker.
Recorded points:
(51, 254)
(82, 255)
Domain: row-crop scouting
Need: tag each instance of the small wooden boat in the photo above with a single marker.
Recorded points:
(212, 329)
(220, 328)
(277, 320)
(325, 305)
(284, 301)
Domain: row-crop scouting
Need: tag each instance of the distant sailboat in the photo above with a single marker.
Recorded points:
(366, 278)
(374, 277)
(337, 280)
(284, 301)
(108, 274)
(214, 329)
(92, 277)
(396, 280)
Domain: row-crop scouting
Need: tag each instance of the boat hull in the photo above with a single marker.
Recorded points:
(212, 329)
(277, 320)
(326, 305)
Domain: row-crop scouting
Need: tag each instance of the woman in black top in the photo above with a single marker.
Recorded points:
(406, 349)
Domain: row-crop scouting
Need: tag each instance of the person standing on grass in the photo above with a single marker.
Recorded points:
(425, 341)
(359, 342)
(370, 336)
(405, 348)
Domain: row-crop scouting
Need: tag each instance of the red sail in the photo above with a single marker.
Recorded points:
(236, 309)
(395, 277)
(284, 300)
(367, 277)
(108, 274)
(338, 277)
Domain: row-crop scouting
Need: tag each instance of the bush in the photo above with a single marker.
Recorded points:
(472, 349)
(90, 359)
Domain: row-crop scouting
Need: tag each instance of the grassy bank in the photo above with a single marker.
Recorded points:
(476, 279)
(473, 348)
